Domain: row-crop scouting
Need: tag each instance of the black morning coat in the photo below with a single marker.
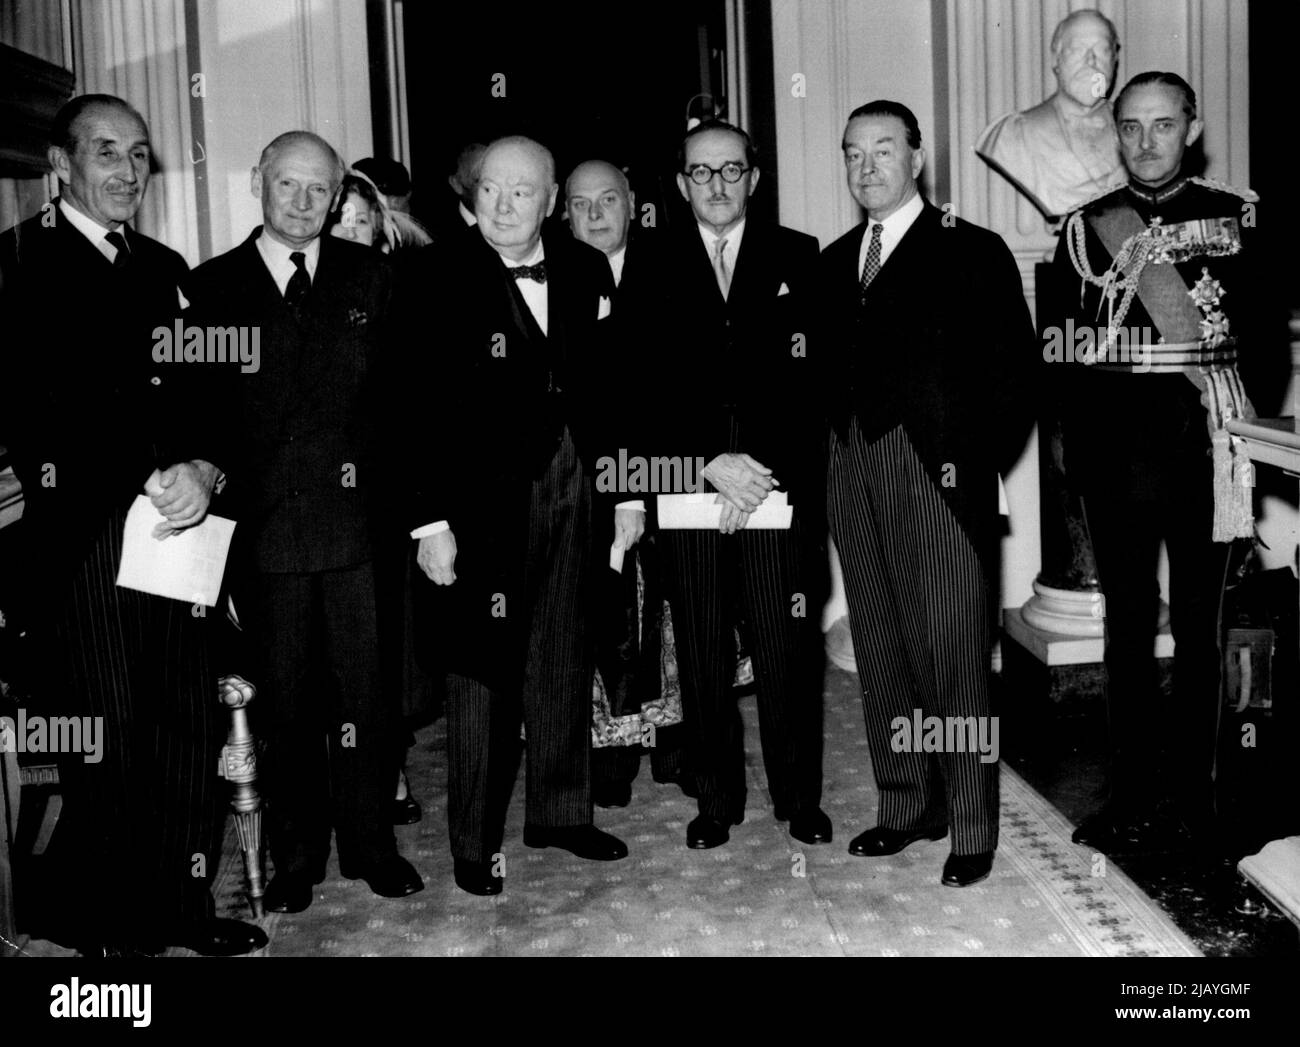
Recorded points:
(486, 398)
(944, 347)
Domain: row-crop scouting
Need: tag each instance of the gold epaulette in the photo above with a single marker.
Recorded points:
(1249, 195)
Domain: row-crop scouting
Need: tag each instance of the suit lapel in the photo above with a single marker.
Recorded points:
(747, 277)
(906, 259)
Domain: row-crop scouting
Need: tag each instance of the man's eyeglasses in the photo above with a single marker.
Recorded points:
(702, 174)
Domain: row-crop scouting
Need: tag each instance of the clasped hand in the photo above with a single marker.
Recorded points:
(742, 484)
(181, 493)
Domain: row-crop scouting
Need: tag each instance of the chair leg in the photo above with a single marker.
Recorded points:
(240, 761)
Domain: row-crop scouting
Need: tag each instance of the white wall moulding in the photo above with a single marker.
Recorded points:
(272, 66)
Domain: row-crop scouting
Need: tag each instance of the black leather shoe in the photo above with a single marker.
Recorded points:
(586, 841)
(617, 795)
(390, 877)
(289, 892)
(811, 826)
(1114, 831)
(405, 811)
(880, 841)
(705, 831)
(476, 877)
(223, 938)
(962, 870)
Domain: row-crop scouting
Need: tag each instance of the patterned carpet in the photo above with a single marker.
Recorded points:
(763, 894)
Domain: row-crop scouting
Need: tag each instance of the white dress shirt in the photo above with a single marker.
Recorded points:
(92, 230)
(280, 265)
(533, 292)
(729, 253)
(616, 262)
(892, 230)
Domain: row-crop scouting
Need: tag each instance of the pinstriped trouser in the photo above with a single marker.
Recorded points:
(918, 611)
(761, 573)
(483, 724)
(135, 821)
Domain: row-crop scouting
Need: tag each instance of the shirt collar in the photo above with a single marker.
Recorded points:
(732, 236)
(617, 261)
(467, 216)
(277, 254)
(86, 226)
(538, 253)
(901, 220)
(1158, 196)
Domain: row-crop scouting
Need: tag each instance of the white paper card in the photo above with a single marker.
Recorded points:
(703, 512)
(187, 566)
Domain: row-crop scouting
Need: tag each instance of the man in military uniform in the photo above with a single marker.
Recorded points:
(1156, 272)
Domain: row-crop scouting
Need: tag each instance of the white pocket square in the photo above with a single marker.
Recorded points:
(785, 289)
(603, 310)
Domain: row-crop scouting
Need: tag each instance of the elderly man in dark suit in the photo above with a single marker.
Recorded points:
(306, 479)
(737, 394)
(502, 468)
(929, 353)
(92, 417)
(600, 207)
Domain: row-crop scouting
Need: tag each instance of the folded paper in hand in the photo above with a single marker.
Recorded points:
(704, 511)
(186, 566)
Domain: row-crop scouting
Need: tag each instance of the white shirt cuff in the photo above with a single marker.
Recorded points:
(429, 530)
(637, 504)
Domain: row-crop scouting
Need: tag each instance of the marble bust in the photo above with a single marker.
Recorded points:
(1065, 149)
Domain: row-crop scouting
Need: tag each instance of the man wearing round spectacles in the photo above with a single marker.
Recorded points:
(737, 397)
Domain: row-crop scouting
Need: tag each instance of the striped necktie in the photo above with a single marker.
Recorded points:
(871, 269)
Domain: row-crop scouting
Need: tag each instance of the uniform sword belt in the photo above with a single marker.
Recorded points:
(1169, 358)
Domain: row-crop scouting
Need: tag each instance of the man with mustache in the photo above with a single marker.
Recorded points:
(1064, 149)
(738, 394)
(502, 448)
(929, 354)
(1170, 470)
(89, 417)
(306, 434)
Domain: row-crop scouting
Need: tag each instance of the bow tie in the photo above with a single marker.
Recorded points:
(530, 272)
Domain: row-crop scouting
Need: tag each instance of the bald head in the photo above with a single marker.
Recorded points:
(1085, 50)
(516, 193)
(297, 179)
(464, 180)
(599, 203)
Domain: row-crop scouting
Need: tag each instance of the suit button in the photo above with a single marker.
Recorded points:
(155, 380)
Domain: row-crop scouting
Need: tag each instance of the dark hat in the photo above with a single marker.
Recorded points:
(389, 176)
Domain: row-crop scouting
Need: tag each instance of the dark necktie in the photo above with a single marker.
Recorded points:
(118, 243)
(300, 283)
(530, 272)
(872, 267)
